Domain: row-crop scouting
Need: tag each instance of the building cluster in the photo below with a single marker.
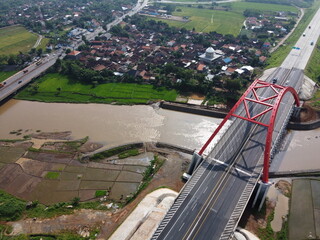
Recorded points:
(47, 16)
(143, 52)
(271, 26)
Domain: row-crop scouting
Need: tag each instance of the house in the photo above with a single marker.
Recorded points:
(262, 59)
(266, 45)
(201, 67)
(99, 67)
(74, 55)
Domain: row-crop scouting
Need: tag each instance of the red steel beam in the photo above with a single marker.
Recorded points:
(280, 92)
(267, 149)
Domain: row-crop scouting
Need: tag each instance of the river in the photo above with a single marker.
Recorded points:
(116, 125)
(107, 124)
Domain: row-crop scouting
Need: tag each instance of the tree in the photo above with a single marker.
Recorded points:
(233, 85)
(39, 51)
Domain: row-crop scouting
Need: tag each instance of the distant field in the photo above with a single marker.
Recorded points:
(14, 39)
(122, 93)
(241, 6)
(5, 75)
(224, 22)
(206, 20)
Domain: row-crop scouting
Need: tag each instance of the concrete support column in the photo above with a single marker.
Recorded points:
(195, 162)
(261, 194)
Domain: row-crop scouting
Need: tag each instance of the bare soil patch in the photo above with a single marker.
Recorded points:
(284, 187)
(307, 114)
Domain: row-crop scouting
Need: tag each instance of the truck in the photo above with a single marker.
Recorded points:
(38, 63)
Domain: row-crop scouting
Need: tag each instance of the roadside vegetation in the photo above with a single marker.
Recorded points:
(15, 39)
(5, 75)
(56, 87)
(313, 71)
(281, 53)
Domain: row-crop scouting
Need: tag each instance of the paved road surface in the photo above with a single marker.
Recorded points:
(300, 58)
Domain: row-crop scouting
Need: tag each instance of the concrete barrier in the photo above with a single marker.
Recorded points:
(194, 109)
(298, 173)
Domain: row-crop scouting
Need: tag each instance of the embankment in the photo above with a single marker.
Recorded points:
(217, 113)
(298, 173)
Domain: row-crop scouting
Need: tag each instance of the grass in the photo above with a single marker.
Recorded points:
(52, 175)
(207, 20)
(128, 153)
(121, 93)
(44, 42)
(281, 53)
(16, 38)
(5, 75)
(114, 151)
(224, 22)
(100, 193)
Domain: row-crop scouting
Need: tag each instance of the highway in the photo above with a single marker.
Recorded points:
(18, 80)
(299, 58)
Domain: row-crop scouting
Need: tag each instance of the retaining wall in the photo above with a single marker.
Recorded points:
(195, 109)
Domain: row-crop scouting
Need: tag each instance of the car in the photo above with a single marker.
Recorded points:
(19, 82)
(286, 83)
(304, 34)
(25, 71)
(274, 81)
(311, 43)
(309, 27)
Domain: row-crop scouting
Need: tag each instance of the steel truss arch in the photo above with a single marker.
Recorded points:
(279, 93)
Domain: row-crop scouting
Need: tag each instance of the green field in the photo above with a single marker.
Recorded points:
(281, 53)
(240, 7)
(16, 38)
(122, 93)
(5, 75)
(206, 20)
(224, 22)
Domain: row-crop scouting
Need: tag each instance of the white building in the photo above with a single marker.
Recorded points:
(210, 55)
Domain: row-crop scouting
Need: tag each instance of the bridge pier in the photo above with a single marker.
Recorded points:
(261, 194)
(195, 162)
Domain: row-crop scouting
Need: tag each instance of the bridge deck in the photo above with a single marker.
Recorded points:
(212, 201)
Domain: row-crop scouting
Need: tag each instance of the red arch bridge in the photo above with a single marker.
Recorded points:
(226, 172)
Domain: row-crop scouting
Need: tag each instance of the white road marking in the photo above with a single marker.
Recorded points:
(181, 227)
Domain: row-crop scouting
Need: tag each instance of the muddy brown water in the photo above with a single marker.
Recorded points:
(116, 125)
(107, 124)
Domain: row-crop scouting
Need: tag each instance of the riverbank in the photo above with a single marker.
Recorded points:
(314, 123)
